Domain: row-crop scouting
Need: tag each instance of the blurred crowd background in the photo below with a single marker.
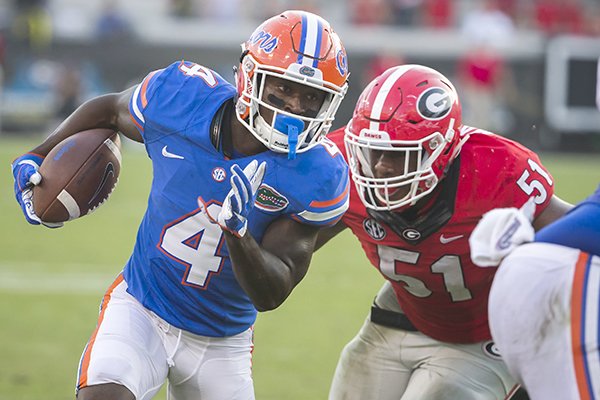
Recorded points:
(527, 69)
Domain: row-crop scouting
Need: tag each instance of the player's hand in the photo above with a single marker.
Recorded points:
(499, 232)
(240, 199)
(26, 176)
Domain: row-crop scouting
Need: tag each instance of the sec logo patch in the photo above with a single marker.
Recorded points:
(373, 229)
(219, 174)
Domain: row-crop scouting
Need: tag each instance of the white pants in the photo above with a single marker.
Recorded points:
(133, 347)
(543, 311)
(391, 364)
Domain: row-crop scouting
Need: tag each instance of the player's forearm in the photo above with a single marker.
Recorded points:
(96, 113)
(265, 278)
(555, 209)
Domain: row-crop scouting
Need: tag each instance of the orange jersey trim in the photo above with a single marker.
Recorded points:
(577, 347)
(145, 88)
(328, 203)
(136, 123)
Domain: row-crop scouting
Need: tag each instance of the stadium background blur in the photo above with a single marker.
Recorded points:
(526, 69)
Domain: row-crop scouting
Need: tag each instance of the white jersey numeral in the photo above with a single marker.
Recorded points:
(200, 72)
(195, 242)
(331, 147)
(534, 184)
(449, 266)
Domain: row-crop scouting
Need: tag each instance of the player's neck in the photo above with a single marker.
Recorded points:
(243, 141)
(230, 137)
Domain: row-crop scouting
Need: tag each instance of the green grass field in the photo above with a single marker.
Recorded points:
(51, 282)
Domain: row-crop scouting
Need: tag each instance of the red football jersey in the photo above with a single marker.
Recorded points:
(439, 288)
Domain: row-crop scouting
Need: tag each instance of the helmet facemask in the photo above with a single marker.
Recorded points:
(415, 176)
(411, 113)
(284, 132)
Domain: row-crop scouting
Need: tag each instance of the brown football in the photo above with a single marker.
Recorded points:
(78, 175)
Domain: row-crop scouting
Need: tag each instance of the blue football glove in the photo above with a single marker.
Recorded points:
(233, 216)
(26, 176)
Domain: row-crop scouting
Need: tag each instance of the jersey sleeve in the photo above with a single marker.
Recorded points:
(337, 137)
(533, 180)
(579, 229)
(327, 195)
(139, 100)
(166, 100)
(508, 173)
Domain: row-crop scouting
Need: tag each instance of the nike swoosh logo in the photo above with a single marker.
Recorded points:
(446, 240)
(108, 171)
(171, 155)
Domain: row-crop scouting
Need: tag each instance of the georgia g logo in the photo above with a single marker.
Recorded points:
(411, 234)
(491, 350)
(434, 103)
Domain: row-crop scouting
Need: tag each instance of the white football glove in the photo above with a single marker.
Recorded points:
(499, 232)
(240, 199)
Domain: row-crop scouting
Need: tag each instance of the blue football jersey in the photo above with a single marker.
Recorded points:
(180, 268)
(579, 229)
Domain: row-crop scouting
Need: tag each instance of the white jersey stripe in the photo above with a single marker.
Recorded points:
(383, 94)
(134, 103)
(592, 325)
(324, 216)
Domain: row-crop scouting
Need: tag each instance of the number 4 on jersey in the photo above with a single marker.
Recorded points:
(196, 243)
(199, 71)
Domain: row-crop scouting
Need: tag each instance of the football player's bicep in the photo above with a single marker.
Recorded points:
(125, 123)
(293, 243)
(555, 209)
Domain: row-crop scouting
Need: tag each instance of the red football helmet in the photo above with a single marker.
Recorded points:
(300, 47)
(411, 116)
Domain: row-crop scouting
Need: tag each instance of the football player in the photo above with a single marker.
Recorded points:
(544, 303)
(422, 180)
(243, 179)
